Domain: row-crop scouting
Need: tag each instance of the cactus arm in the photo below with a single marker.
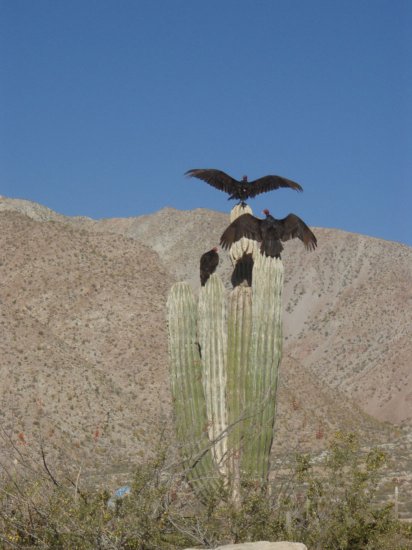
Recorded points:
(239, 330)
(264, 358)
(187, 389)
(271, 289)
(213, 341)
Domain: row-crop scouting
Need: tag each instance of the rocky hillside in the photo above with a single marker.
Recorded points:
(83, 347)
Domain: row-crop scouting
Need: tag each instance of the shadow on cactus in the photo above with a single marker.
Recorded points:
(225, 352)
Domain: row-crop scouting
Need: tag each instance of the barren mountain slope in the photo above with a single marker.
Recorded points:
(179, 237)
(84, 348)
(350, 319)
(36, 211)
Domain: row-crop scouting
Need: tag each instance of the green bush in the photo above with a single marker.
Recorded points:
(327, 504)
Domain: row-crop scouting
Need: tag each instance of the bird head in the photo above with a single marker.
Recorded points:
(215, 249)
(244, 178)
(266, 212)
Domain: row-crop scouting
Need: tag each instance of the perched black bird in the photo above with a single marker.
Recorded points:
(241, 190)
(269, 232)
(208, 264)
(243, 270)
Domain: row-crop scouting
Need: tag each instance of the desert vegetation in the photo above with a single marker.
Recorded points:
(326, 503)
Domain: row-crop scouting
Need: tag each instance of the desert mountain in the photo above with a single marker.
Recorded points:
(84, 343)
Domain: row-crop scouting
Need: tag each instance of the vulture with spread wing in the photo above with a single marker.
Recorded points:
(208, 264)
(270, 232)
(241, 190)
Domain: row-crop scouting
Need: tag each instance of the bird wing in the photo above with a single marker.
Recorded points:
(245, 225)
(216, 178)
(292, 227)
(268, 183)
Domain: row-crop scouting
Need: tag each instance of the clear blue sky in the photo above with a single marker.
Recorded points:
(105, 104)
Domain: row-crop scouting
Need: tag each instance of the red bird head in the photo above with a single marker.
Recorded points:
(215, 249)
(266, 212)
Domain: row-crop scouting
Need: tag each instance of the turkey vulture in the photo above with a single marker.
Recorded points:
(241, 190)
(242, 272)
(269, 232)
(208, 264)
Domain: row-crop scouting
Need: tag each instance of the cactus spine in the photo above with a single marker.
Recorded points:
(230, 386)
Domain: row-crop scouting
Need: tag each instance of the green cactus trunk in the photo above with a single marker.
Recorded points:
(239, 333)
(213, 344)
(225, 394)
(187, 389)
(263, 362)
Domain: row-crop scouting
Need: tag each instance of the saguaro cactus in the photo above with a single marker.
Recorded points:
(225, 355)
